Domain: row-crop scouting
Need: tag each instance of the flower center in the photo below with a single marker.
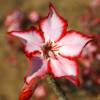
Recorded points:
(50, 49)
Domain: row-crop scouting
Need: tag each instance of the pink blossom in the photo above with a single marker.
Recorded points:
(91, 52)
(34, 16)
(90, 21)
(52, 49)
(98, 56)
(28, 89)
(13, 20)
(94, 3)
(87, 56)
(40, 92)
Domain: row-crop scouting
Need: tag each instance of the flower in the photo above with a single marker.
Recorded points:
(40, 91)
(89, 54)
(52, 49)
(13, 20)
(94, 4)
(28, 89)
(33, 16)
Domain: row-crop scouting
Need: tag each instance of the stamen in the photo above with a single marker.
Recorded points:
(50, 49)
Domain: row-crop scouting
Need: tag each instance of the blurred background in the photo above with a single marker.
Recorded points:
(82, 15)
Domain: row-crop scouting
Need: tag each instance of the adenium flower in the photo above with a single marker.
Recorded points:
(40, 92)
(94, 4)
(90, 20)
(52, 49)
(91, 52)
(28, 89)
(13, 20)
(88, 54)
(34, 17)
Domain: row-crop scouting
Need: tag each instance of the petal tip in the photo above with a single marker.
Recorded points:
(51, 5)
(11, 33)
(74, 80)
(52, 8)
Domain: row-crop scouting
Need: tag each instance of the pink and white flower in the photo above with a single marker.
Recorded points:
(34, 16)
(52, 49)
(94, 4)
(40, 92)
(13, 20)
(88, 56)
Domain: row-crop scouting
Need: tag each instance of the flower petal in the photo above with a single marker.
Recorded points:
(28, 89)
(31, 39)
(53, 26)
(72, 44)
(40, 91)
(38, 67)
(62, 67)
(74, 80)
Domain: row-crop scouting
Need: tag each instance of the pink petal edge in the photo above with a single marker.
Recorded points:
(38, 68)
(43, 25)
(34, 31)
(63, 69)
(70, 55)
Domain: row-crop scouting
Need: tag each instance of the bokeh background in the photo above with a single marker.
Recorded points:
(13, 63)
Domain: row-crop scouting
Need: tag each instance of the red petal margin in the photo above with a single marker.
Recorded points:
(28, 89)
(91, 37)
(29, 55)
(61, 18)
(74, 80)
(28, 30)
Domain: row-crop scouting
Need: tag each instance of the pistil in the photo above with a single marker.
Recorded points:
(50, 49)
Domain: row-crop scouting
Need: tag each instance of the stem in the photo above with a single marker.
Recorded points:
(58, 91)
